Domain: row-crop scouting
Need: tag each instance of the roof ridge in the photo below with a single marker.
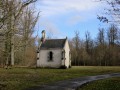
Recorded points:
(56, 39)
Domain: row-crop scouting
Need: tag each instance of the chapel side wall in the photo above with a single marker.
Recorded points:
(44, 60)
(67, 50)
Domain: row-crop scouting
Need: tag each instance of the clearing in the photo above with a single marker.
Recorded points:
(22, 78)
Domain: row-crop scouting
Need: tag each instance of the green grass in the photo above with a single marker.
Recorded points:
(107, 84)
(21, 78)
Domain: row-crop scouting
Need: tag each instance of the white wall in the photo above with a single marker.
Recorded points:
(43, 58)
(57, 57)
(67, 50)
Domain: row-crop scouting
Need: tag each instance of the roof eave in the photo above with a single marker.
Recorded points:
(50, 48)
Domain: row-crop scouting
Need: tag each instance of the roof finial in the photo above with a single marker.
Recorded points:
(66, 37)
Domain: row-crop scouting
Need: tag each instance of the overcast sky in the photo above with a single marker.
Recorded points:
(60, 18)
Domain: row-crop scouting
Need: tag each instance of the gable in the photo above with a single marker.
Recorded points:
(67, 45)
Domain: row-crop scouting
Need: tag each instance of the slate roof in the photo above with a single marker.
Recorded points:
(53, 43)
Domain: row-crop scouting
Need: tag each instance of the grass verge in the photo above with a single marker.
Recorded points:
(21, 78)
(107, 84)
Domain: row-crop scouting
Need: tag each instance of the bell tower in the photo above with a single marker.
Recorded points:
(43, 36)
(41, 41)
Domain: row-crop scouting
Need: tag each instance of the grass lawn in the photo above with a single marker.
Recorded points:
(107, 84)
(21, 78)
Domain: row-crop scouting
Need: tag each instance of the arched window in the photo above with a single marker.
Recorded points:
(50, 56)
(63, 54)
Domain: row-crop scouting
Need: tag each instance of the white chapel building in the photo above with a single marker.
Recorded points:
(53, 53)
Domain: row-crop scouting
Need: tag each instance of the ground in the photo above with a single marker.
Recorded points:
(28, 77)
(106, 84)
(76, 83)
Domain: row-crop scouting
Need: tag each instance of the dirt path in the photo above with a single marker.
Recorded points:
(73, 84)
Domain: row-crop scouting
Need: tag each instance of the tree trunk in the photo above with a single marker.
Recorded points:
(12, 50)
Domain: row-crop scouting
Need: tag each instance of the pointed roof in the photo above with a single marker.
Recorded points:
(53, 43)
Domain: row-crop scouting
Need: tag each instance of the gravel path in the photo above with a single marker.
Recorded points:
(73, 84)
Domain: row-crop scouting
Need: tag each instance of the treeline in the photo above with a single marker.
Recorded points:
(17, 46)
(102, 51)
(17, 22)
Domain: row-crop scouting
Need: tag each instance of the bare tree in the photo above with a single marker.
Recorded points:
(112, 14)
(26, 29)
(101, 36)
(101, 47)
(98, 52)
(112, 34)
(88, 42)
(11, 11)
(76, 45)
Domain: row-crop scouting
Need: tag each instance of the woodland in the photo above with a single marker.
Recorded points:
(18, 46)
